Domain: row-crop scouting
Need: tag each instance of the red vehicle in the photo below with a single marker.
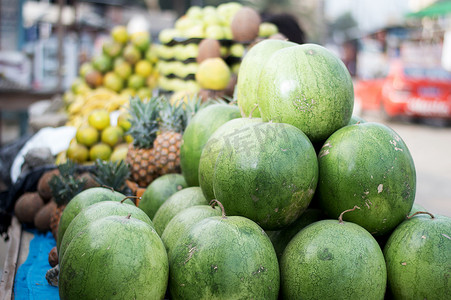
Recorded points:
(408, 90)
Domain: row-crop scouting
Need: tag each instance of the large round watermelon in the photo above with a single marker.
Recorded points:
(114, 258)
(268, 173)
(196, 134)
(224, 258)
(222, 137)
(418, 256)
(367, 165)
(82, 200)
(176, 203)
(182, 222)
(95, 212)
(306, 86)
(249, 73)
(159, 191)
(333, 260)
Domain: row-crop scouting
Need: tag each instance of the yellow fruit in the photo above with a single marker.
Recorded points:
(128, 139)
(87, 135)
(101, 151)
(77, 152)
(144, 93)
(141, 40)
(99, 119)
(136, 81)
(143, 68)
(213, 74)
(123, 121)
(112, 135)
(120, 34)
(119, 153)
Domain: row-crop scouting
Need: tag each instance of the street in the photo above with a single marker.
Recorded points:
(429, 146)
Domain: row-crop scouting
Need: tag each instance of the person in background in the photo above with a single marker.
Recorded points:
(287, 25)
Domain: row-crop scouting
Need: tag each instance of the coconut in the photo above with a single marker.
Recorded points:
(43, 187)
(245, 25)
(208, 48)
(27, 206)
(42, 217)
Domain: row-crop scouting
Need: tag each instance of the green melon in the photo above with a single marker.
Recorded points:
(159, 190)
(306, 86)
(82, 200)
(114, 258)
(183, 221)
(176, 203)
(196, 134)
(356, 119)
(224, 258)
(418, 256)
(268, 174)
(333, 260)
(97, 211)
(370, 166)
(249, 73)
(281, 238)
(223, 136)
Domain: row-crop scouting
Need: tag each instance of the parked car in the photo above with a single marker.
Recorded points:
(407, 90)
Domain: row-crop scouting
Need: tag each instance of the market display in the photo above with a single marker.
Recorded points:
(175, 188)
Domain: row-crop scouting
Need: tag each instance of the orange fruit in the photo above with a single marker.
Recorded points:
(119, 34)
(87, 135)
(100, 151)
(99, 119)
(123, 121)
(143, 68)
(77, 152)
(112, 135)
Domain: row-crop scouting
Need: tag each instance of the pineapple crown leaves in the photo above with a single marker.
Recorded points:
(172, 116)
(144, 121)
(66, 185)
(112, 174)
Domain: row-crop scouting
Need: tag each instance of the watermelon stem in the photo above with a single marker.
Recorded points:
(250, 113)
(214, 202)
(130, 197)
(340, 218)
(107, 187)
(421, 212)
(128, 216)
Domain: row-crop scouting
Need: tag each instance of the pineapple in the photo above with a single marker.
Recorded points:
(112, 174)
(64, 187)
(173, 119)
(144, 127)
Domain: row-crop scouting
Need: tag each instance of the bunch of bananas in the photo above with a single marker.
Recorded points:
(80, 106)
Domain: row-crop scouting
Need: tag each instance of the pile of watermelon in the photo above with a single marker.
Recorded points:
(285, 195)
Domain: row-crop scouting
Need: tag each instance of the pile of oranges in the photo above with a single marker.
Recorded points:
(99, 139)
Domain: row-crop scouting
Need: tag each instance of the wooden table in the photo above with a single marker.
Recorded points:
(17, 253)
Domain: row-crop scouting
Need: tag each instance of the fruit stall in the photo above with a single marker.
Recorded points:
(220, 161)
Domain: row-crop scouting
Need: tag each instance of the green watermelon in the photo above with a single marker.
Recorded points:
(224, 258)
(196, 134)
(330, 259)
(249, 73)
(159, 190)
(97, 211)
(183, 221)
(418, 256)
(220, 138)
(268, 173)
(176, 203)
(306, 86)
(281, 238)
(356, 119)
(82, 200)
(370, 166)
(114, 258)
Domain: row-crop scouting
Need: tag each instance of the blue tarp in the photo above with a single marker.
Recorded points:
(30, 282)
